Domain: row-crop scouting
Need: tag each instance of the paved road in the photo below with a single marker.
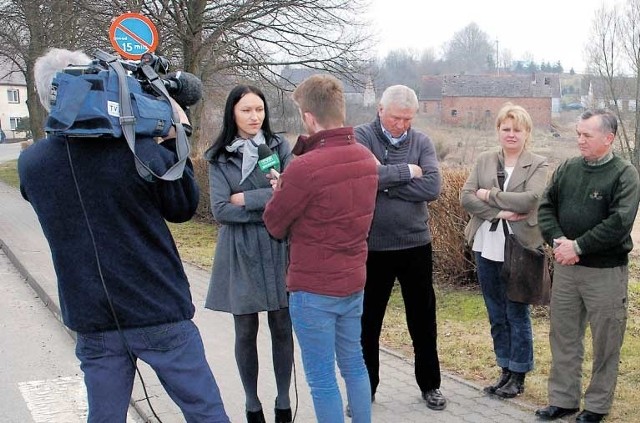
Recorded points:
(40, 379)
(9, 151)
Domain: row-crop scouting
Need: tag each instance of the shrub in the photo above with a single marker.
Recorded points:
(201, 171)
(452, 259)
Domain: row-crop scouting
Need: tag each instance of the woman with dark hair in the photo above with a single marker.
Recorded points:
(249, 265)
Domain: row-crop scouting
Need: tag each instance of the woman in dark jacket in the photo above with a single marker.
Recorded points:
(249, 265)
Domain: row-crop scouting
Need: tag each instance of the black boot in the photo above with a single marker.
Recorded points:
(514, 387)
(504, 378)
(283, 415)
(255, 417)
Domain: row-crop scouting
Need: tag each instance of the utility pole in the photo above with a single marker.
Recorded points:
(498, 57)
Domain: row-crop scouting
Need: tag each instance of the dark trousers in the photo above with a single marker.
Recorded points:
(413, 268)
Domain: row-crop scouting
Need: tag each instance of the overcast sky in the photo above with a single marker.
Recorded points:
(548, 30)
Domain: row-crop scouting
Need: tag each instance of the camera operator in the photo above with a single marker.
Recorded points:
(121, 282)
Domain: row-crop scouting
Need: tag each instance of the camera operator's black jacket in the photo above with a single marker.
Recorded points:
(142, 270)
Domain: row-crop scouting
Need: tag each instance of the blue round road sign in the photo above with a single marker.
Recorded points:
(132, 35)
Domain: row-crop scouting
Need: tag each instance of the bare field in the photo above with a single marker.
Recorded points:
(459, 146)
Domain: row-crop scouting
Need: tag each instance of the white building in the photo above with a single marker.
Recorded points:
(13, 100)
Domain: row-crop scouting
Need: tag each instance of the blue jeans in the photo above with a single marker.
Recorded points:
(328, 328)
(174, 351)
(510, 321)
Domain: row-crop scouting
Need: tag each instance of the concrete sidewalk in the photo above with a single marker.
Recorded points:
(397, 400)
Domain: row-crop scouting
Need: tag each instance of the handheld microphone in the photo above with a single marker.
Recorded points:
(184, 87)
(267, 159)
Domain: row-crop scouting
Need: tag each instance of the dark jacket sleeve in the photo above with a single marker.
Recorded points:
(178, 200)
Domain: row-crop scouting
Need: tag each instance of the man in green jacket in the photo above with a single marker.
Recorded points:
(587, 214)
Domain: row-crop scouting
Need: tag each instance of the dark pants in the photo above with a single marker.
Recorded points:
(173, 350)
(413, 268)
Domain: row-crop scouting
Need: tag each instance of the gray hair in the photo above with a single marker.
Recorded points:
(608, 121)
(52, 62)
(400, 96)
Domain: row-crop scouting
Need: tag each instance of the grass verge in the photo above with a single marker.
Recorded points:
(9, 173)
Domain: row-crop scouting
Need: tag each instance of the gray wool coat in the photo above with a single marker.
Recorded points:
(249, 265)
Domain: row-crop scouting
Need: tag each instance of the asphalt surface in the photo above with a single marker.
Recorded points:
(397, 400)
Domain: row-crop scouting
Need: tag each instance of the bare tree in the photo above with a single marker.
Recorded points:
(222, 41)
(613, 51)
(470, 51)
(27, 29)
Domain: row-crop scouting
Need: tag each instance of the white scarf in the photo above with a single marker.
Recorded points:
(248, 147)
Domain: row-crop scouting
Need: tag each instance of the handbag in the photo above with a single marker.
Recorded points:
(525, 270)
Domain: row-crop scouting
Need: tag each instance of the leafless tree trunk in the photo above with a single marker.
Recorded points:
(613, 52)
(28, 28)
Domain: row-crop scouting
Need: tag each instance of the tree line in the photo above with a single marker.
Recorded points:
(225, 42)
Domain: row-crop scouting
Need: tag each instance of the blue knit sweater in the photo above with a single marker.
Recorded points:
(126, 215)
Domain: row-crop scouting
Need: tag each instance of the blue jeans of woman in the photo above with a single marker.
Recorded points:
(328, 329)
(173, 350)
(510, 321)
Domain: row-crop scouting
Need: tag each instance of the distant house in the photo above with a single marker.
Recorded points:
(599, 93)
(474, 100)
(358, 90)
(13, 100)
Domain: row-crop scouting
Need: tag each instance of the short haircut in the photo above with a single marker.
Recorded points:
(521, 119)
(52, 62)
(323, 96)
(400, 96)
(608, 121)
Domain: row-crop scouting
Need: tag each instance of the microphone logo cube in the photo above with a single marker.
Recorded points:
(269, 162)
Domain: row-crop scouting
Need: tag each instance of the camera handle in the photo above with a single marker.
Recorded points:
(128, 120)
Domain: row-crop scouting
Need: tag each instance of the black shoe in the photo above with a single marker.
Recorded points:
(513, 388)
(435, 400)
(283, 415)
(589, 416)
(255, 417)
(552, 412)
(504, 378)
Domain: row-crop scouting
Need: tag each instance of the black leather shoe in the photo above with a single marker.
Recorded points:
(502, 380)
(552, 412)
(435, 400)
(283, 415)
(255, 417)
(513, 388)
(589, 416)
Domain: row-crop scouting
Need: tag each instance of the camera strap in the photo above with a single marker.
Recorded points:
(128, 120)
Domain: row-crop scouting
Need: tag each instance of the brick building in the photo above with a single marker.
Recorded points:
(474, 100)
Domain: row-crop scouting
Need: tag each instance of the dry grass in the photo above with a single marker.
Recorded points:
(465, 346)
(196, 241)
(9, 173)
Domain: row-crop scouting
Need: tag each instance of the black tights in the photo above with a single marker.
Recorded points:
(246, 326)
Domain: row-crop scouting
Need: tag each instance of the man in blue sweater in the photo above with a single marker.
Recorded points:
(587, 213)
(399, 244)
(121, 282)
